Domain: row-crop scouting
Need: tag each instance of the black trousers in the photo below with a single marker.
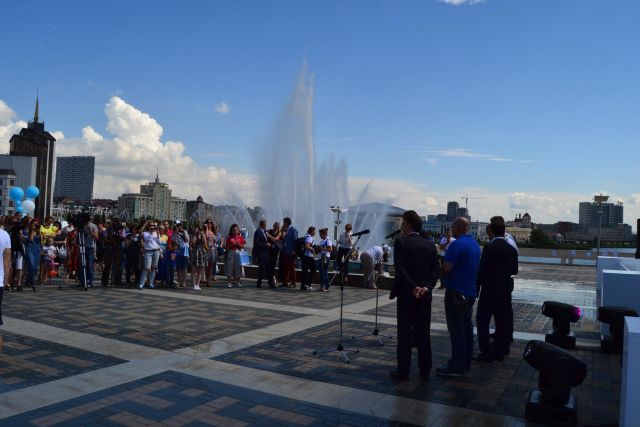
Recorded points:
(264, 268)
(107, 257)
(414, 322)
(498, 306)
(308, 270)
(131, 268)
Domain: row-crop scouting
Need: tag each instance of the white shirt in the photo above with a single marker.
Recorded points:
(151, 241)
(443, 241)
(308, 239)
(510, 240)
(345, 240)
(5, 243)
(326, 243)
(376, 253)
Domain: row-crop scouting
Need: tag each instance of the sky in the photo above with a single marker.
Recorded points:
(522, 105)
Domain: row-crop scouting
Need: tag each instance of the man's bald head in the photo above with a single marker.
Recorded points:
(460, 227)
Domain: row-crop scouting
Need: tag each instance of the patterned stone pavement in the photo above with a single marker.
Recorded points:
(174, 399)
(500, 387)
(245, 357)
(152, 321)
(288, 296)
(26, 361)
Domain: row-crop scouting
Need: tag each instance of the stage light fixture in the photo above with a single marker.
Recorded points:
(558, 371)
(614, 317)
(563, 315)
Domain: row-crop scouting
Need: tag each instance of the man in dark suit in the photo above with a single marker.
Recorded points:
(417, 271)
(498, 264)
(260, 254)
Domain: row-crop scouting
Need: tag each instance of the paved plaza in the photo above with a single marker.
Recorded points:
(244, 356)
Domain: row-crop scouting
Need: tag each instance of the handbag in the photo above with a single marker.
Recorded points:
(62, 253)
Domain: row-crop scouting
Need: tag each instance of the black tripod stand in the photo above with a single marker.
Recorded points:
(376, 332)
(341, 348)
(83, 261)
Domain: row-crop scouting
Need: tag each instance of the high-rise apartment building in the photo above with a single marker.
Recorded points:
(452, 210)
(612, 214)
(74, 178)
(35, 141)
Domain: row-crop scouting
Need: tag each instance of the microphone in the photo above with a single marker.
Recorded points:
(392, 235)
(360, 233)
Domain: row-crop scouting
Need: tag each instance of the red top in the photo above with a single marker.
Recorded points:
(235, 242)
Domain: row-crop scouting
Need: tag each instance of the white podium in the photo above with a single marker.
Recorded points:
(629, 408)
(621, 288)
(614, 263)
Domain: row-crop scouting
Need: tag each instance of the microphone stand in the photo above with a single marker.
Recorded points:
(376, 332)
(341, 348)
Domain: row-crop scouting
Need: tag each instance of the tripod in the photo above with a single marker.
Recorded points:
(83, 261)
(341, 348)
(376, 332)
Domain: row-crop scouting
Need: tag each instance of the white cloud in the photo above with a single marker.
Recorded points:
(9, 126)
(433, 161)
(222, 108)
(461, 2)
(134, 151)
(469, 154)
(58, 135)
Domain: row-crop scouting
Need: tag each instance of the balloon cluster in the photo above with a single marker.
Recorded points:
(28, 205)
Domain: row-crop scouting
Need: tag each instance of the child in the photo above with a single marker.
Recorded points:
(326, 247)
(49, 254)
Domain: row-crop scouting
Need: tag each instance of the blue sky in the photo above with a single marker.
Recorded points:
(535, 98)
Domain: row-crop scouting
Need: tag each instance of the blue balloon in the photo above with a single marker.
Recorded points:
(16, 193)
(19, 210)
(32, 192)
(18, 203)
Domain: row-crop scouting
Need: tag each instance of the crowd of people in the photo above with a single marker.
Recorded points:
(160, 253)
(166, 254)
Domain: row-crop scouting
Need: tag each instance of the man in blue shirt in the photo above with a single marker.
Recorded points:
(460, 269)
(288, 255)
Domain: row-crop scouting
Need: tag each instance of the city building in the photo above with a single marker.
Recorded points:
(199, 210)
(521, 221)
(74, 178)
(441, 218)
(462, 212)
(479, 230)
(35, 141)
(612, 214)
(153, 200)
(7, 180)
(452, 210)
(24, 167)
(520, 234)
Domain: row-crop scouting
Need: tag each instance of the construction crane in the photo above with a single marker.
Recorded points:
(467, 198)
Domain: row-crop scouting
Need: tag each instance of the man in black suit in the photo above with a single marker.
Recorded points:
(261, 254)
(499, 262)
(417, 271)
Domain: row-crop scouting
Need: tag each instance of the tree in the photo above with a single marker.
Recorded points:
(539, 237)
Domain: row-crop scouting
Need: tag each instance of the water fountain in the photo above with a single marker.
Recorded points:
(296, 184)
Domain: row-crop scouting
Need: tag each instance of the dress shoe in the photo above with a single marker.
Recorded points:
(396, 376)
(447, 371)
(483, 357)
